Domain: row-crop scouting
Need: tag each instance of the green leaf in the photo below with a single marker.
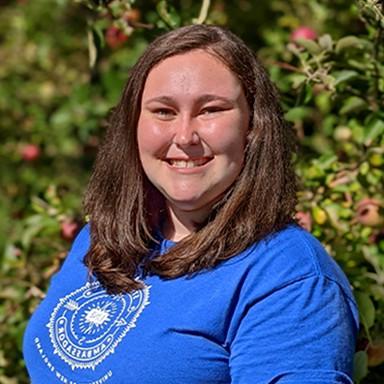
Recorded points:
(326, 161)
(333, 212)
(348, 42)
(375, 130)
(298, 80)
(360, 369)
(326, 42)
(364, 168)
(344, 75)
(310, 45)
(168, 14)
(35, 225)
(357, 129)
(353, 104)
(323, 102)
(366, 310)
(298, 113)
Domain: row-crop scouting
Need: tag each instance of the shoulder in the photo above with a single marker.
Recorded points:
(289, 256)
(290, 277)
(81, 243)
(75, 257)
(306, 255)
(83, 237)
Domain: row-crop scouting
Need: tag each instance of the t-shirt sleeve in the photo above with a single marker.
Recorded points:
(302, 332)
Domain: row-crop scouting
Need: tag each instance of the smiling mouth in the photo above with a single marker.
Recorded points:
(188, 163)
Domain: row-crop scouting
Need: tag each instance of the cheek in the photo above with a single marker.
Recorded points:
(150, 136)
(228, 138)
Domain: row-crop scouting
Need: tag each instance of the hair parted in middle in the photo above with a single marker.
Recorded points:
(126, 210)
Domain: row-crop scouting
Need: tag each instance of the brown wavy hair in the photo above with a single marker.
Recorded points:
(126, 210)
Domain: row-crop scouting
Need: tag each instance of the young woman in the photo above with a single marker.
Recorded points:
(191, 269)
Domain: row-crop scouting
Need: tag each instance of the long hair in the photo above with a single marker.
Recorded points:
(126, 210)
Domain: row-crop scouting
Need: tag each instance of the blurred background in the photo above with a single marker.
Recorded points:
(63, 64)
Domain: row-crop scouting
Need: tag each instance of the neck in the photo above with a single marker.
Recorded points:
(180, 224)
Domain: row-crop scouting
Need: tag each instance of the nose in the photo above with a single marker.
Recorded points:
(185, 132)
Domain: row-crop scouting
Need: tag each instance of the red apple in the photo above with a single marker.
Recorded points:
(68, 229)
(30, 152)
(115, 37)
(368, 212)
(303, 32)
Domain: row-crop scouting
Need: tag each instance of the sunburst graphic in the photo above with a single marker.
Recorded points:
(96, 317)
(87, 324)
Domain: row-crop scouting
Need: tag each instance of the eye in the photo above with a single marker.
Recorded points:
(164, 113)
(211, 110)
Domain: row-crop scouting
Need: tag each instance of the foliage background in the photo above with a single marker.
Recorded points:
(62, 67)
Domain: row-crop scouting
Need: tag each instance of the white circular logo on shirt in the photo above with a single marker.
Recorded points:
(87, 324)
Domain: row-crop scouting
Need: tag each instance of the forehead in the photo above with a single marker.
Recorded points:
(193, 71)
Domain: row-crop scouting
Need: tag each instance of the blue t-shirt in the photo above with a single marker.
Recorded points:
(279, 312)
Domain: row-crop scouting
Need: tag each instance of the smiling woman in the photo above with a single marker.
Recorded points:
(192, 269)
(192, 135)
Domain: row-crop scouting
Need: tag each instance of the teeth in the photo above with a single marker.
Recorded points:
(187, 163)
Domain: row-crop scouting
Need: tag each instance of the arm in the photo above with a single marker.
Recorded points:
(302, 332)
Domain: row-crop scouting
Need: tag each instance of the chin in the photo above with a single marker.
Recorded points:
(187, 205)
(192, 204)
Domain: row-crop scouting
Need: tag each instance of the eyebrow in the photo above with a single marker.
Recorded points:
(201, 99)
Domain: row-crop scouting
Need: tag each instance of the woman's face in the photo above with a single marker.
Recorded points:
(192, 129)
